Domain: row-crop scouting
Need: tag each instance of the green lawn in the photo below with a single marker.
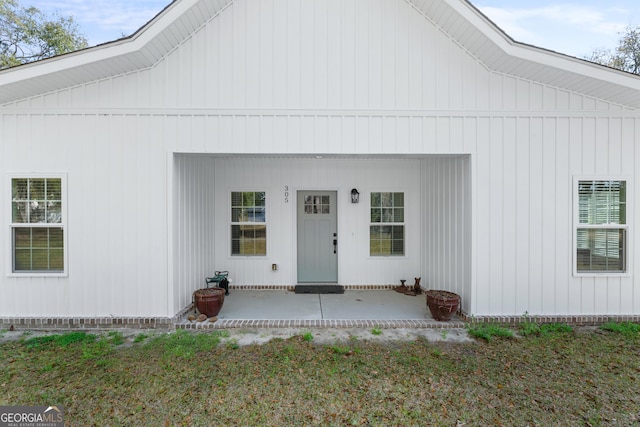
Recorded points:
(560, 378)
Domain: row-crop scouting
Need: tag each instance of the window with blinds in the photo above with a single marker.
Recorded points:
(37, 225)
(386, 229)
(601, 229)
(248, 223)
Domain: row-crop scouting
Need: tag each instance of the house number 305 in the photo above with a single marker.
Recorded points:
(286, 194)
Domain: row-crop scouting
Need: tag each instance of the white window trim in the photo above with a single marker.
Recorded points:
(231, 255)
(627, 227)
(403, 224)
(12, 225)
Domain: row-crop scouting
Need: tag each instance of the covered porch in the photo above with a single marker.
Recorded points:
(434, 224)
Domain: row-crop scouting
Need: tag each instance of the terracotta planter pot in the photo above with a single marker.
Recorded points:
(442, 304)
(209, 301)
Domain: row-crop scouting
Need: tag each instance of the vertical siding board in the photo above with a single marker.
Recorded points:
(549, 216)
(267, 48)
(522, 94)
(238, 56)
(307, 57)
(429, 34)
(483, 215)
(634, 296)
(376, 57)
(388, 58)
(213, 65)
(522, 212)
(536, 229)
(402, 54)
(347, 133)
(509, 96)
(483, 89)
(457, 136)
(362, 67)
(509, 216)
(251, 131)
(402, 135)
(470, 70)
(576, 167)
(249, 58)
(443, 135)
(294, 51)
(602, 145)
(627, 160)
(362, 129)
(456, 60)
(443, 70)
(536, 97)
(495, 215)
(614, 285)
(278, 16)
(414, 63)
(320, 54)
(319, 126)
(334, 65)
(564, 217)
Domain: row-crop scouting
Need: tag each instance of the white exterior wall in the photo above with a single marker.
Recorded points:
(357, 78)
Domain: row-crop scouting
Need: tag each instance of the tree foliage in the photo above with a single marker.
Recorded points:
(27, 34)
(626, 56)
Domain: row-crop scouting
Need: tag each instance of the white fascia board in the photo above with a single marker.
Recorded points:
(540, 55)
(118, 48)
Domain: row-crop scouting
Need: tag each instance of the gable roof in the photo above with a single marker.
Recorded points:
(464, 23)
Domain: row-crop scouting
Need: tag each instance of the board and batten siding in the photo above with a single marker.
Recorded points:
(116, 182)
(371, 81)
(338, 55)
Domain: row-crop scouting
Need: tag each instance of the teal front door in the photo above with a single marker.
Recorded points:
(317, 237)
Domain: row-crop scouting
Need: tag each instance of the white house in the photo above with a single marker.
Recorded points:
(230, 134)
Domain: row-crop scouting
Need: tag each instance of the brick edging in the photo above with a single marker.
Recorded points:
(573, 320)
(89, 323)
(321, 324)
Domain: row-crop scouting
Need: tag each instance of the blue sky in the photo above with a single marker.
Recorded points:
(573, 27)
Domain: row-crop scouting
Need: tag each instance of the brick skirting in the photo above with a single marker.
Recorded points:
(178, 321)
(163, 323)
(66, 323)
(573, 320)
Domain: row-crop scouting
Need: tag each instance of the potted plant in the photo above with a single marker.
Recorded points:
(209, 301)
(442, 304)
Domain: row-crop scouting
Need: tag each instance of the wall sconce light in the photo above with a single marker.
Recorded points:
(355, 196)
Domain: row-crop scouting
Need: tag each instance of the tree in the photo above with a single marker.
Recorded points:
(626, 56)
(27, 34)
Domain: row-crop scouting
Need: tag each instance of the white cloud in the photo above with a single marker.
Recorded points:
(98, 17)
(573, 28)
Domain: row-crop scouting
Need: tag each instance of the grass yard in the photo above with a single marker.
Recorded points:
(546, 377)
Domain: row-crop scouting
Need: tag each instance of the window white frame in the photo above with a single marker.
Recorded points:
(389, 219)
(239, 223)
(11, 257)
(624, 228)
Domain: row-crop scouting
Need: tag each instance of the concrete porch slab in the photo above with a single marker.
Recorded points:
(354, 308)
